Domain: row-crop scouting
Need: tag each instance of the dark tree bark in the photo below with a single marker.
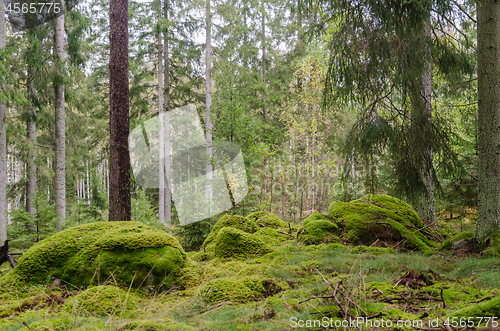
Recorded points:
(3, 145)
(488, 85)
(119, 126)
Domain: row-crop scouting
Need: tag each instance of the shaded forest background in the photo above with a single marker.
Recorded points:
(327, 100)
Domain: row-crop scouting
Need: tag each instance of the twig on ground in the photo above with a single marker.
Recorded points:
(220, 304)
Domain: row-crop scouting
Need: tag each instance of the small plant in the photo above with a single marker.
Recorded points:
(27, 228)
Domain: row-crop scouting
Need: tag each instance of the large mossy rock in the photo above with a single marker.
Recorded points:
(130, 253)
(244, 237)
(380, 217)
(317, 229)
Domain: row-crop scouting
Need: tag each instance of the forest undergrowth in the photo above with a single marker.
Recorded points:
(297, 286)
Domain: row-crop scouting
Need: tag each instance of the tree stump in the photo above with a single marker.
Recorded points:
(5, 256)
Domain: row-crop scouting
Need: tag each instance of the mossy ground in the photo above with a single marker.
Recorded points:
(265, 291)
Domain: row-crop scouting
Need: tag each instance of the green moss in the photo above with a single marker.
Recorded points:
(413, 238)
(372, 250)
(365, 220)
(66, 323)
(314, 217)
(494, 247)
(233, 243)
(190, 275)
(132, 252)
(376, 289)
(447, 244)
(102, 301)
(490, 308)
(233, 221)
(154, 325)
(318, 231)
(272, 221)
(238, 289)
(272, 237)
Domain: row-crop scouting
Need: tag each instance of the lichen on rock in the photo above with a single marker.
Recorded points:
(132, 252)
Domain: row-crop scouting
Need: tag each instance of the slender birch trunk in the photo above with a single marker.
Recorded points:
(60, 171)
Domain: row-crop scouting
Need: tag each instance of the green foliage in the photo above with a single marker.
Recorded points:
(27, 229)
(143, 211)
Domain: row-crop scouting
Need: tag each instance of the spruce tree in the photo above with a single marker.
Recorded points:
(488, 63)
(3, 140)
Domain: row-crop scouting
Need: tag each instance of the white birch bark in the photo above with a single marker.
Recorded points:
(60, 171)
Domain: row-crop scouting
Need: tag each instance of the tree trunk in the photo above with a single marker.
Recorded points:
(3, 145)
(421, 119)
(208, 87)
(166, 101)
(31, 183)
(161, 177)
(119, 125)
(60, 171)
(263, 26)
(488, 72)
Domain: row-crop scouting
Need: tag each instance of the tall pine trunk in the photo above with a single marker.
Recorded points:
(119, 125)
(60, 171)
(3, 145)
(31, 183)
(161, 177)
(166, 100)
(263, 27)
(208, 88)
(488, 72)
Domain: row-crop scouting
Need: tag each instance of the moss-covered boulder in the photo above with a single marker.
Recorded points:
(314, 217)
(130, 253)
(380, 217)
(232, 242)
(239, 289)
(455, 242)
(243, 237)
(490, 308)
(102, 300)
(318, 231)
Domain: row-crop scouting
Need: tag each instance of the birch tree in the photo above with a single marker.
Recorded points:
(60, 171)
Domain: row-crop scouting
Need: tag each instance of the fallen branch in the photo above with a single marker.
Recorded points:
(263, 226)
(316, 297)
(220, 304)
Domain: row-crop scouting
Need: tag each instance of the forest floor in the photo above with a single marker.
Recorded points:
(313, 287)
